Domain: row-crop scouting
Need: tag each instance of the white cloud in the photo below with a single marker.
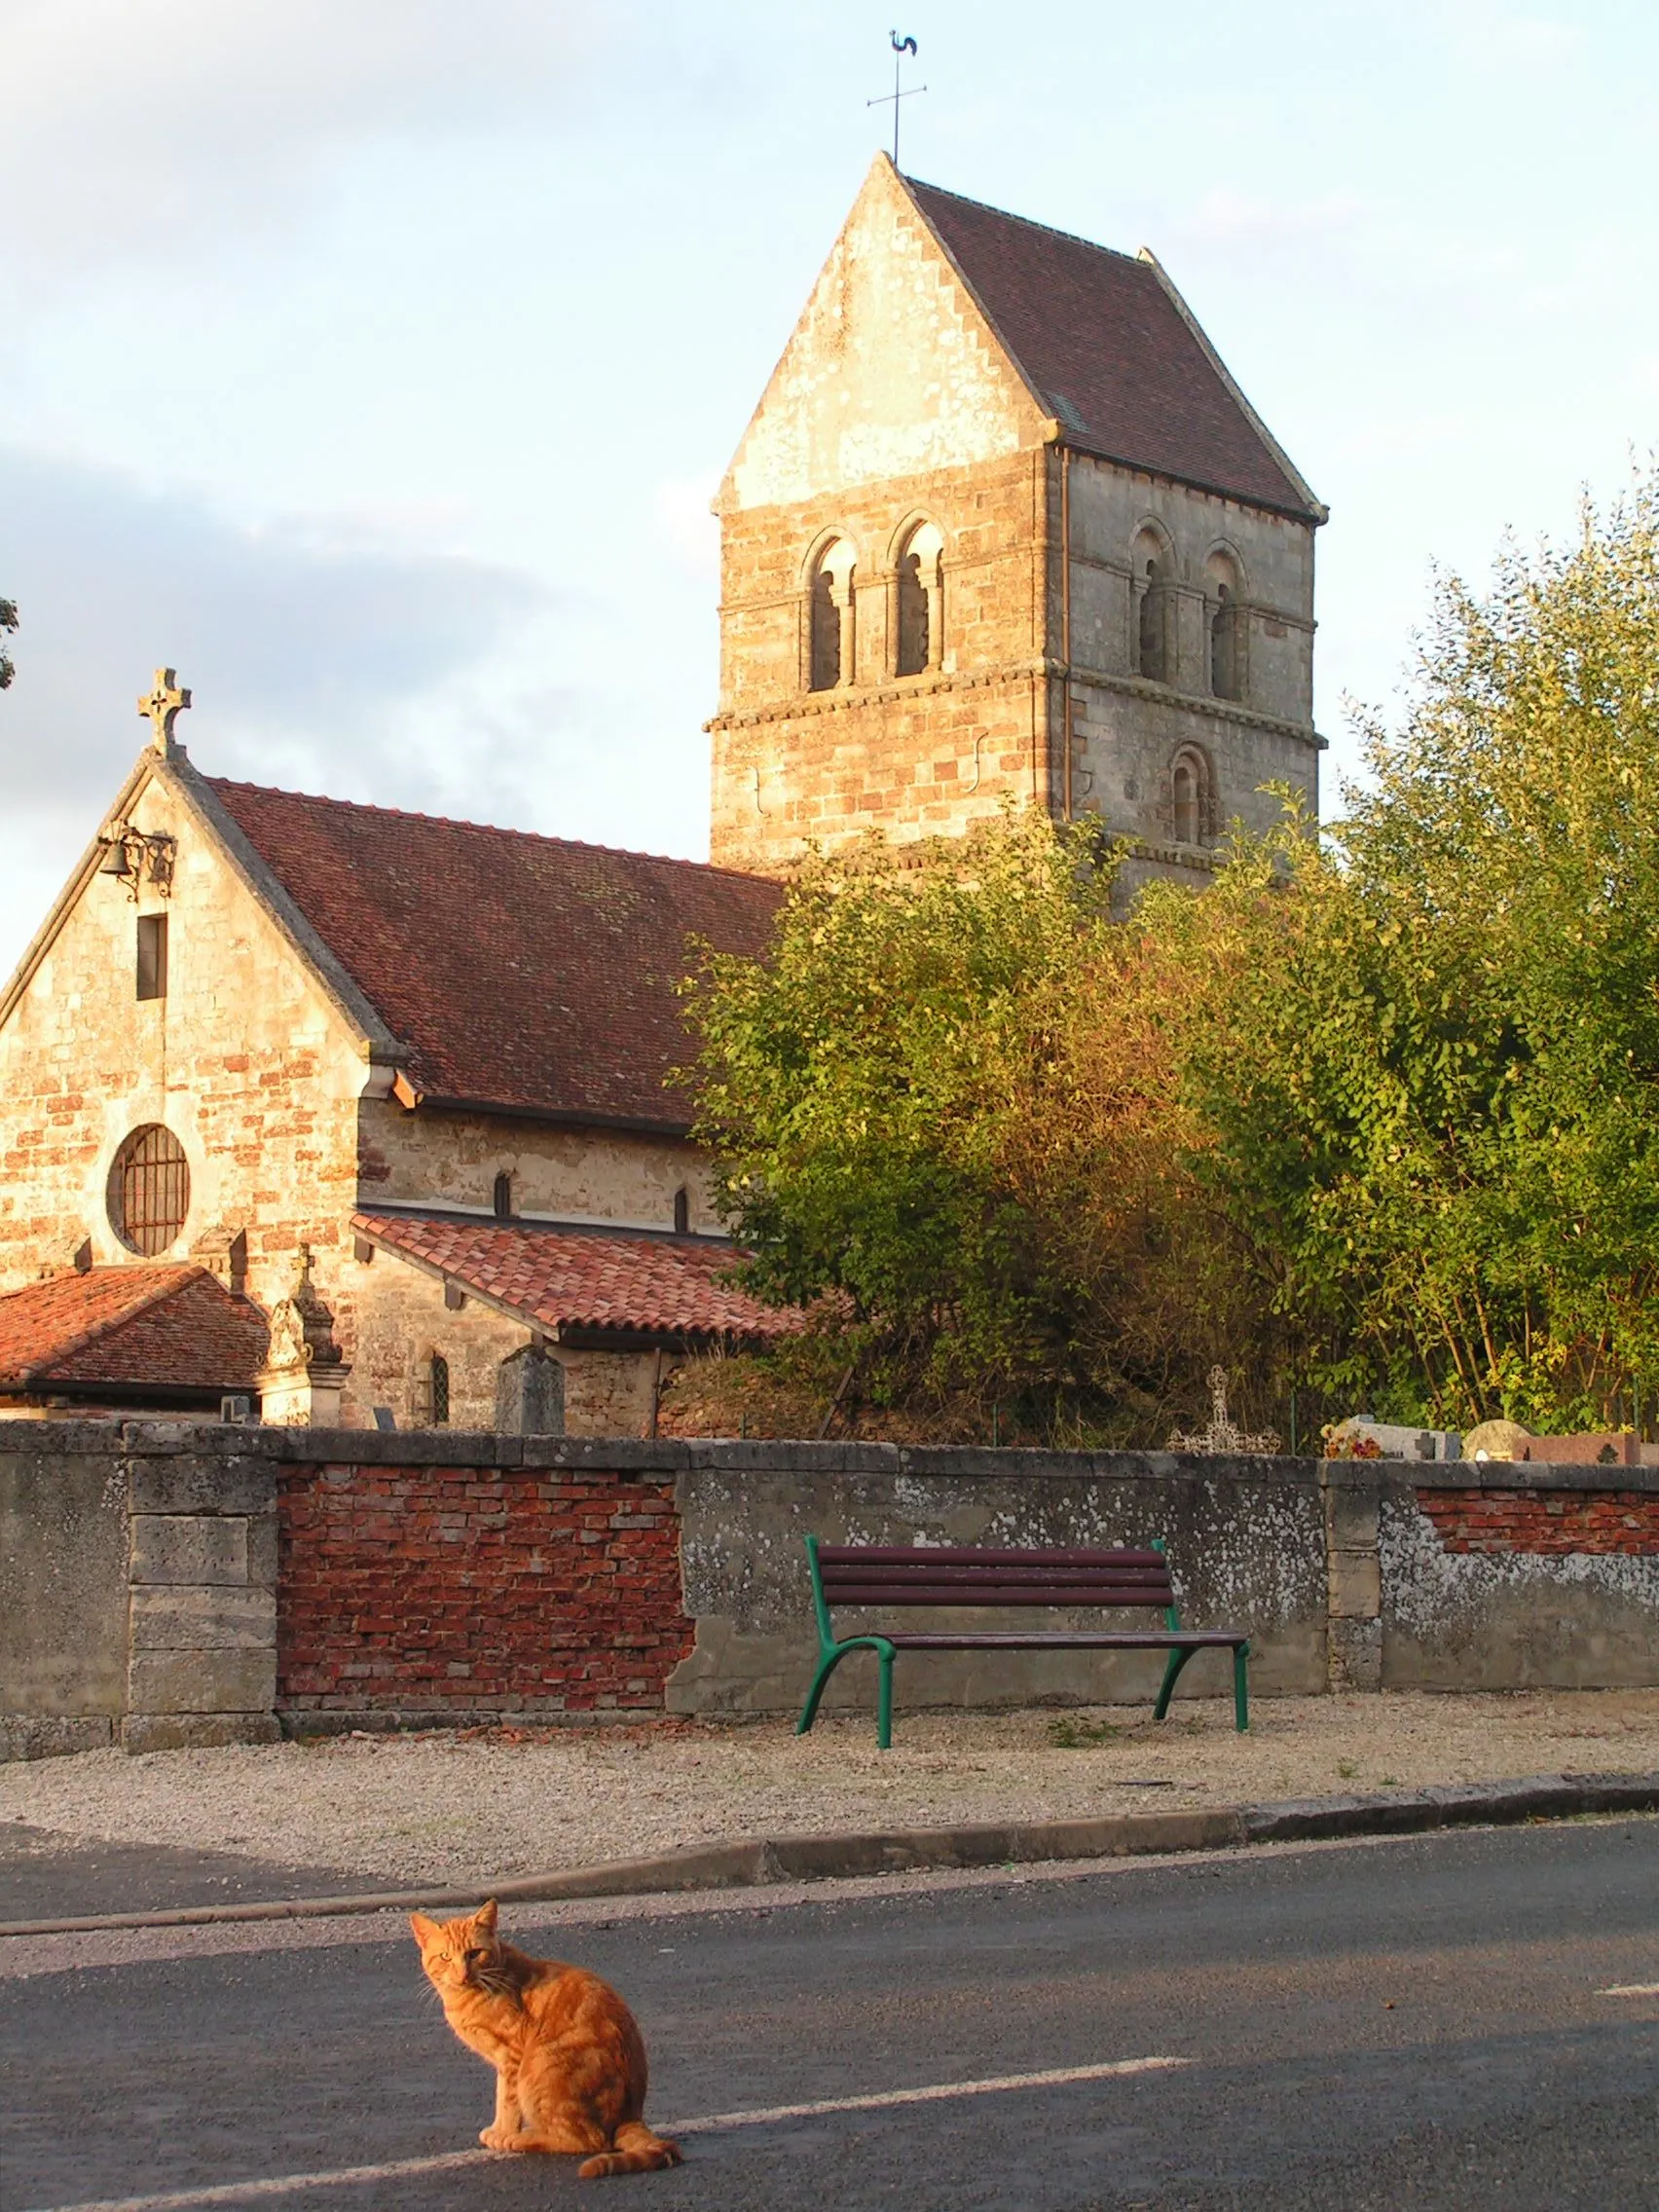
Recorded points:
(129, 123)
(331, 665)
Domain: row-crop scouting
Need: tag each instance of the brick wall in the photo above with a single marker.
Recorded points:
(434, 1589)
(1545, 1523)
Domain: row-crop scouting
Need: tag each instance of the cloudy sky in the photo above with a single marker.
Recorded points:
(374, 362)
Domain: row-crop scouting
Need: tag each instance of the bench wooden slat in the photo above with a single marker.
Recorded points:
(998, 1594)
(1070, 1639)
(920, 1570)
(973, 1555)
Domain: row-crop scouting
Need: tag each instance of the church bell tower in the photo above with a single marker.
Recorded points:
(1003, 526)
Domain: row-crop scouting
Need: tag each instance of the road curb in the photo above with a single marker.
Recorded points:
(753, 1862)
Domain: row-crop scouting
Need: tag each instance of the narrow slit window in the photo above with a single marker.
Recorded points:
(503, 1197)
(681, 1211)
(440, 1384)
(152, 956)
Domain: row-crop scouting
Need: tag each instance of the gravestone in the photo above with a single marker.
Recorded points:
(530, 1394)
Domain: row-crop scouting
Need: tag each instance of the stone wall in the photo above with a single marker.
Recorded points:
(437, 1576)
(1244, 1539)
(138, 1586)
(1515, 1574)
(63, 1554)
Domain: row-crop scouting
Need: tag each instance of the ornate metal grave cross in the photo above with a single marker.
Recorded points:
(166, 702)
(1223, 1435)
(900, 46)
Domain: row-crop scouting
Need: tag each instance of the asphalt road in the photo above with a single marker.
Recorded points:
(1415, 2023)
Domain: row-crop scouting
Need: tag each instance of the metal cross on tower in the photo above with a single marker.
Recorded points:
(164, 706)
(900, 46)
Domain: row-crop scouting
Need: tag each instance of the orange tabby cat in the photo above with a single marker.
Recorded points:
(569, 2065)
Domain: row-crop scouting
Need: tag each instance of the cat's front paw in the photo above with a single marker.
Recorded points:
(498, 2138)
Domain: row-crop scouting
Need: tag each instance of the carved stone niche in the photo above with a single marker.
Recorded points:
(304, 1377)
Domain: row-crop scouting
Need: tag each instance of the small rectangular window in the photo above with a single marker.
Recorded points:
(152, 956)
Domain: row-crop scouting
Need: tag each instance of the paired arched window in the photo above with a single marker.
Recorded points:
(1192, 798)
(1150, 570)
(1225, 637)
(919, 596)
(830, 653)
(917, 608)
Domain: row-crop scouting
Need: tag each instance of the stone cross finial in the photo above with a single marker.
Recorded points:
(162, 708)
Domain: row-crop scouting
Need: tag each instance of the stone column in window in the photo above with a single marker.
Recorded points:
(846, 601)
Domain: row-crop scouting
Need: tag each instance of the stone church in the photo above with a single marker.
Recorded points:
(354, 1115)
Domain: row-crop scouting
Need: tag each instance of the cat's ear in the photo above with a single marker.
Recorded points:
(424, 1928)
(484, 1918)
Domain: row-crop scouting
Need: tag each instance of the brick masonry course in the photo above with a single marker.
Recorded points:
(462, 1588)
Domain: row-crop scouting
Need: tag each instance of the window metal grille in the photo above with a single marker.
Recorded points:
(440, 1390)
(148, 1194)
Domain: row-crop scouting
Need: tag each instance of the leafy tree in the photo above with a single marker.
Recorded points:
(944, 1113)
(1433, 1076)
(1375, 1116)
(861, 1089)
(7, 623)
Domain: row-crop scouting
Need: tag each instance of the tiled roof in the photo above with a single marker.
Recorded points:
(575, 1279)
(1103, 340)
(517, 972)
(172, 1327)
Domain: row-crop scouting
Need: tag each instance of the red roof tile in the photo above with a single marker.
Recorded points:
(569, 1278)
(1101, 338)
(172, 1327)
(518, 971)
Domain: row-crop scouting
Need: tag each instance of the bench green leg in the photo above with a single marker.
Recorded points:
(1171, 1674)
(1241, 1688)
(827, 1663)
(809, 1710)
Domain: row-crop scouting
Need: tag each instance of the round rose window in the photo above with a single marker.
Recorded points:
(149, 1190)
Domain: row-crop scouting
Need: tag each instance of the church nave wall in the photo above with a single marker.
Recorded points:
(443, 1159)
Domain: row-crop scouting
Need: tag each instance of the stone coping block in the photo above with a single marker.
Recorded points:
(219, 1467)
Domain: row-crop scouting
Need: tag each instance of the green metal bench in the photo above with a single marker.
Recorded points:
(875, 1577)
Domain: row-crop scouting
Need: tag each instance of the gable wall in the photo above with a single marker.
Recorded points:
(243, 1059)
(891, 371)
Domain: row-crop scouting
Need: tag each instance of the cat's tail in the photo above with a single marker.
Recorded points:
(635, 2151)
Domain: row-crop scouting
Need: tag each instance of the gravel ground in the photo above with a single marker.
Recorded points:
(465, 1806)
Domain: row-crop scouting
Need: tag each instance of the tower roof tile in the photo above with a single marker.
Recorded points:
(1105, 342)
